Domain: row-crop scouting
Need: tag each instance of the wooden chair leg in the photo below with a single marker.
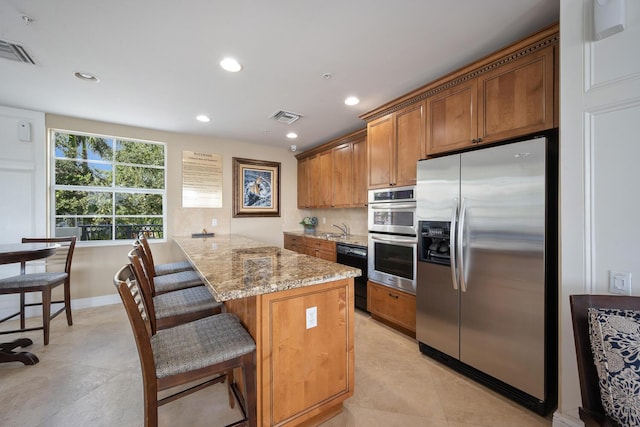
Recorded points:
(22, 317)
(150, 408)
(67, 301)
(46, 313)
(230, 379)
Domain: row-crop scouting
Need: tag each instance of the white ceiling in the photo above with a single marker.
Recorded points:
(157, 60)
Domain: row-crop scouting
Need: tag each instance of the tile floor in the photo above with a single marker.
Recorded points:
(89, 375)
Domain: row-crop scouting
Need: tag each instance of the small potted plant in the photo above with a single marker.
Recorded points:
(309, 223)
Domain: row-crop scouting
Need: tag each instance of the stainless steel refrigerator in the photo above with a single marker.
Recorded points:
(487, 267)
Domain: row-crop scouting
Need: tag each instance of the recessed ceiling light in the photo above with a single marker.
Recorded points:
(87, 77)
(231, 65)
(202, 118)
(292, 135)
(352, 100)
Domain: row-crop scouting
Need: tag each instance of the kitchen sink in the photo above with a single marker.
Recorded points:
(333, 235)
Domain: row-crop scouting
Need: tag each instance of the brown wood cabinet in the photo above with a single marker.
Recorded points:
(359, 175)
(509, 93)
(342, 175)
(334, 174)
(517, 98)
(294, 243)
(304, 198)
(392, 306)
(511, 100)
(319, 248)
(395, 142)
(452, 121)
(303, 375)
(322, 181)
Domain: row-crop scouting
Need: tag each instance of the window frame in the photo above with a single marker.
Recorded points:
(53, 187)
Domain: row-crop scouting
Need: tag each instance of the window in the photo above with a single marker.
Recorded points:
(106, 188)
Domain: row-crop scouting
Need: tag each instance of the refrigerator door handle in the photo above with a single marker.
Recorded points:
(460, 248)
(452, 244)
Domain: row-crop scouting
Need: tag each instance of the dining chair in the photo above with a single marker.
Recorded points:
(57, 272)
(177, 307)
(167, 282)
(587, 343)
(159, 269)
(203, 350)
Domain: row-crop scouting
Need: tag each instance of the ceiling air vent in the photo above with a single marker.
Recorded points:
(14, 52)
(283, 116)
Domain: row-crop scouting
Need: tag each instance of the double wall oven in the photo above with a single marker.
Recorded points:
(393, 242)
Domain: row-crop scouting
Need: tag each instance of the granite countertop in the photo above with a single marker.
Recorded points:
(351, 239)
(237, 267)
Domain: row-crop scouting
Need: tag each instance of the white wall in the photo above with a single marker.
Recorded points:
(22, 186)
(599, 173)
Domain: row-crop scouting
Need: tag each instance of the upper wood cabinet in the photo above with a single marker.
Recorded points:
(304, 200)
(379, 136)
(342, 175)
(324, 182)
(334, 174)
(409, 133)
(359, 175)
(395, 143)
(511, 100)
(509, 93)
(517, 97)
(452, 121)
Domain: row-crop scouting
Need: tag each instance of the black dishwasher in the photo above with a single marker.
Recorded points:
(355, 256)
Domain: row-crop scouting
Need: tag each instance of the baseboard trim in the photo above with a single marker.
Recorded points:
(563, 420)
(79, 304)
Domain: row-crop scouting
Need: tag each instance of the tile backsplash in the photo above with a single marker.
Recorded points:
(355, 218)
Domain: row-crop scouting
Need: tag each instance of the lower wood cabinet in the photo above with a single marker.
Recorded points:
(319, 248)
(392, 306)
(303, 374)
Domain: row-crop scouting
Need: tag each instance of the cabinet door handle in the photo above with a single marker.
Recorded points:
(474, 141)
(393, 296)
(479, 139)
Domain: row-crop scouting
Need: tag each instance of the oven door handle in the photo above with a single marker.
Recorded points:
(395, 240)
(391, 206)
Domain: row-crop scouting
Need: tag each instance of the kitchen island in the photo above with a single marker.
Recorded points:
(299, 310)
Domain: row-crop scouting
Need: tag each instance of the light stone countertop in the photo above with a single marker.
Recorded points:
(237, 267)
(351, 239)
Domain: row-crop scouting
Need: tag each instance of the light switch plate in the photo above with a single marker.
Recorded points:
(312, 317)
(619, 282)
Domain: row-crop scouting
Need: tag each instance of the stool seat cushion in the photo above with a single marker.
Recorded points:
(32, 280)
(184, 301)
(175, 281)
(172, 267)
(199, 344)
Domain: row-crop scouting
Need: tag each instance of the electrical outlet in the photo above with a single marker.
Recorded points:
(214, 222)
(312, 317)
(619, 282)
(324, 220)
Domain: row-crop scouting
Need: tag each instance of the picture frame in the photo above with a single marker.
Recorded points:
(256, 188)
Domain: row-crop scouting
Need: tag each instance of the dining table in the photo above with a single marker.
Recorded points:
(11, 253)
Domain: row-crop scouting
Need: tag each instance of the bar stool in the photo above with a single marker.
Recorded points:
(159, 269)
(203, 350)
(168, 282)
(177, 307)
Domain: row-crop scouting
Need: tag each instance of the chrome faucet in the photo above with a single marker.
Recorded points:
(344, 229)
